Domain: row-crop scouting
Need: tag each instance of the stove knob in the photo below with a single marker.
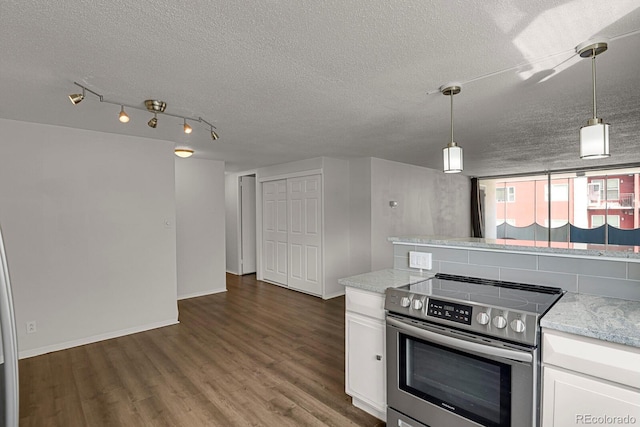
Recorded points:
(483, 318)
(417, 304)
(517, 325)
(405, 302)
(499, 322)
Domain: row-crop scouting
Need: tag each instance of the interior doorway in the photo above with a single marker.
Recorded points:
(247, 192)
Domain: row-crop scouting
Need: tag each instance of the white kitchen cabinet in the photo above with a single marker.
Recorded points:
(365, 364)
(587, 381)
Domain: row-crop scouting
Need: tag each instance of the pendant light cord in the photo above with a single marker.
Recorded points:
(451, 95)
(593, 72)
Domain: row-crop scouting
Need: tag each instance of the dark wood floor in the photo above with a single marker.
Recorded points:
(257, 355)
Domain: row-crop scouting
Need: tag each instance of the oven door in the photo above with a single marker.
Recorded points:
(442, 377)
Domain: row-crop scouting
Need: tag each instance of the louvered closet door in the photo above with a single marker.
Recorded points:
(274, 229)
(305, 234)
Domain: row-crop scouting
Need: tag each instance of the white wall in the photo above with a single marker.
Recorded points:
(360, 215)
(232, 222)
(89, 226)
(335, 199)
(200, 215)
(429, 203)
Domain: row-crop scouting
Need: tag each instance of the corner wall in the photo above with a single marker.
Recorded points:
(200, 214)
(430, 203)
(89, 226)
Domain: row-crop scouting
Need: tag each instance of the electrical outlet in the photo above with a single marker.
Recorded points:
(31, 327)
(421, 260)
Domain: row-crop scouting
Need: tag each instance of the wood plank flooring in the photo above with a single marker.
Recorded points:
(257, 355)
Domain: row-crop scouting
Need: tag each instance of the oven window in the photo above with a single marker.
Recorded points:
(473, 387)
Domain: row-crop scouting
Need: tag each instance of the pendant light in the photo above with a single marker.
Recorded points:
(594, 137)
(452, 153)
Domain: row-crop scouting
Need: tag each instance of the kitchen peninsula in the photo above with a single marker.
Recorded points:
(600, 310)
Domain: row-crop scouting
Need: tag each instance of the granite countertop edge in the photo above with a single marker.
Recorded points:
(478, 243)
(378, 281)
(607, 319)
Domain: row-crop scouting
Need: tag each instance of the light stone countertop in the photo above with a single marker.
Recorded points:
(608, 319)
(628, 253)
(378, 281)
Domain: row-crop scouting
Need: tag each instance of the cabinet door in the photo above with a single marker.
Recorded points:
(570, 399)
(274, 231)
(365, 364)
(305, 234)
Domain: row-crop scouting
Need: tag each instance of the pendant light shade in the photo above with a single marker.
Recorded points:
(452, 153)
(594, 140)
(594, 137)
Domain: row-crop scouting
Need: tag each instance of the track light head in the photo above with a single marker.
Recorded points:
(153, 122)
(214, 135)
(76, 98)
(123, 116)
(187, 129)
(183, 152)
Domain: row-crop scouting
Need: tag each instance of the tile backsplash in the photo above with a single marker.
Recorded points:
(611, 278)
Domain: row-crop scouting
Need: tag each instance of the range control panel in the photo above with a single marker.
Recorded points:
(450, 311)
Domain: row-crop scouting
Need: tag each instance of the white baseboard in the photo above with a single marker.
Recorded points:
(201, 294)
(235, 273)
(95, 338)
(333, 295)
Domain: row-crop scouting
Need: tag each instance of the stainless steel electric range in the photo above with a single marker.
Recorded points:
(463, 351)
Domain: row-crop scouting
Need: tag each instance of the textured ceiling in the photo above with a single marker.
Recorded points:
(285, 80)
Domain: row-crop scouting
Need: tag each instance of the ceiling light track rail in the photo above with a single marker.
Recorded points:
(155, 108)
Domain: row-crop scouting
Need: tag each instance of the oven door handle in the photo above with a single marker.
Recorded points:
(457, 343)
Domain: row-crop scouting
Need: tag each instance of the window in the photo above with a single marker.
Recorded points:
(598, 220)
(506, 194)
(509, 221)
(612, 191)
(559, 192)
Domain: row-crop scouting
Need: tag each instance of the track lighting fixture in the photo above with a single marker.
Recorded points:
(123, 116)
(154, 121)
(452, 153)
(187, 129)
(183, 152)
(153, 106)
(594, 137)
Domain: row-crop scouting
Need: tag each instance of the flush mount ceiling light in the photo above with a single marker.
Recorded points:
(184, 152)
(594, 137)
(452, 153)
(151, 105)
